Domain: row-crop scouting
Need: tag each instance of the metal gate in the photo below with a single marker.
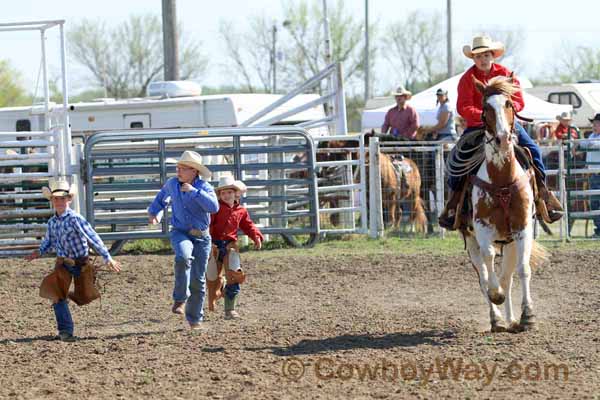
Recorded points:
(28, 158)
(124, 170)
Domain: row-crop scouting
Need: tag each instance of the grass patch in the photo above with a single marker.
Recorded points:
(452, 244)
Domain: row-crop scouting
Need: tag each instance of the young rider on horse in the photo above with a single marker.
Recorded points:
(470, 106)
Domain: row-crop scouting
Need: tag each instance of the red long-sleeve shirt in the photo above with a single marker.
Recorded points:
(225, 223)
(469, 103)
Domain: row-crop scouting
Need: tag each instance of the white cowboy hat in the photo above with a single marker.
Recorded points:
(193, 160)
(242, 186)
(566, 115)
(229, 182)
(58, 188)
(481, 44)
(401, 91)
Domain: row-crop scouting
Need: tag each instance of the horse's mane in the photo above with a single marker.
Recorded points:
(500, 85)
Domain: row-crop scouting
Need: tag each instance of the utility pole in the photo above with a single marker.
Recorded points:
(367, 94)
(449, 37)
(327, 34)
(274, 59)
(170, 40)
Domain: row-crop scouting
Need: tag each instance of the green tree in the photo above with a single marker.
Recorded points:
(577, 63)
(11, 89)
(416, 49)
(125, 59)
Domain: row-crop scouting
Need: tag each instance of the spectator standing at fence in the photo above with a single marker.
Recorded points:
(402, 120)
(563, 129)
(225, 255)
(445, 129)
(68, 234)
(592, 160)
(469, 105)
(192, 200)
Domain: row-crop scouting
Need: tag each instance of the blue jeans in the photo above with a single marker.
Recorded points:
(595, 202)
(191, 258)
(524, 140)
(64, 321)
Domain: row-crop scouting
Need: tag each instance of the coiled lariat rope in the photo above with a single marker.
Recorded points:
(463, 161)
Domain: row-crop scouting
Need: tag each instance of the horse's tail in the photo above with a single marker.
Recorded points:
(418, 214)
(539, 255)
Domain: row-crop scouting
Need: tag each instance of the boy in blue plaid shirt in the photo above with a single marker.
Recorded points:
(68, 234)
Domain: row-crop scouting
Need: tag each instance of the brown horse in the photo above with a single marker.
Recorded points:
(400, 183)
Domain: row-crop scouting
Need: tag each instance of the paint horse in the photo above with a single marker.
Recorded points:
(503, 208)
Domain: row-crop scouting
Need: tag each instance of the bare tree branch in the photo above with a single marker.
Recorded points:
(130, 56)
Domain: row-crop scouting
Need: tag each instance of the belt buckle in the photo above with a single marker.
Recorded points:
(68, 261)
(196, 232)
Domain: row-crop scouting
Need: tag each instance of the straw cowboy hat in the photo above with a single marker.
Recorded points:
(242, 186)
(193, 160)
(58, 188)
(596, 118)
(481, 44)
(566, 115)
(401, 91)
(229, 182)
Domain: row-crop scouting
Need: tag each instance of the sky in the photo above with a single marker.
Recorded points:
(546, 24)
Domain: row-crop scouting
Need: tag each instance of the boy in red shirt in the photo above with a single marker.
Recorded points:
(225, 252)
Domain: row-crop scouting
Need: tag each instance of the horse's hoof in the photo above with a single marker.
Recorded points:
(496, 298)
(515, 327)
(528, 322)
(498, 327)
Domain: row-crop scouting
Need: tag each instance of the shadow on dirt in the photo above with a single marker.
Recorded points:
(50, 338)
(366, 341)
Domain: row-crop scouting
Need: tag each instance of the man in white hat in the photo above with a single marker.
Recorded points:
(68, 234)
(192, 200)
(469, 105)
(224, 226)
(402, 120)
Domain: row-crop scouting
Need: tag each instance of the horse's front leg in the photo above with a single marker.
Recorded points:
(485, 239)
(496, 320)
(509, 263)
(524, 246)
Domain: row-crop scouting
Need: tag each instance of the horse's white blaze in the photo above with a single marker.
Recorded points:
(497, 102)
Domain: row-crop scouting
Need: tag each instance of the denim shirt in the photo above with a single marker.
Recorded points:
(190, 210)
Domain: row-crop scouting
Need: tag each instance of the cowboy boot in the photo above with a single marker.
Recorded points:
(448, 216)
(230, 312)
(547, 205)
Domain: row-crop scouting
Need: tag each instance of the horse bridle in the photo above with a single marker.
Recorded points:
(515, 115)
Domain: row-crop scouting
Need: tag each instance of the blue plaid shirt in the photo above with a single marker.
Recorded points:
(191, 210)
(68, 234)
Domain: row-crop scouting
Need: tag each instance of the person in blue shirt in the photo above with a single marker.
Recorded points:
(192, 201)
(68, 234)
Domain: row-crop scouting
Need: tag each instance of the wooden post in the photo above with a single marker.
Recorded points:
(375, 205)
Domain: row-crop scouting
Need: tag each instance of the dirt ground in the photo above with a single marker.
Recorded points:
(314, 326)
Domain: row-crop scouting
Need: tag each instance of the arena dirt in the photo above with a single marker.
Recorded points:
(388, 326)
